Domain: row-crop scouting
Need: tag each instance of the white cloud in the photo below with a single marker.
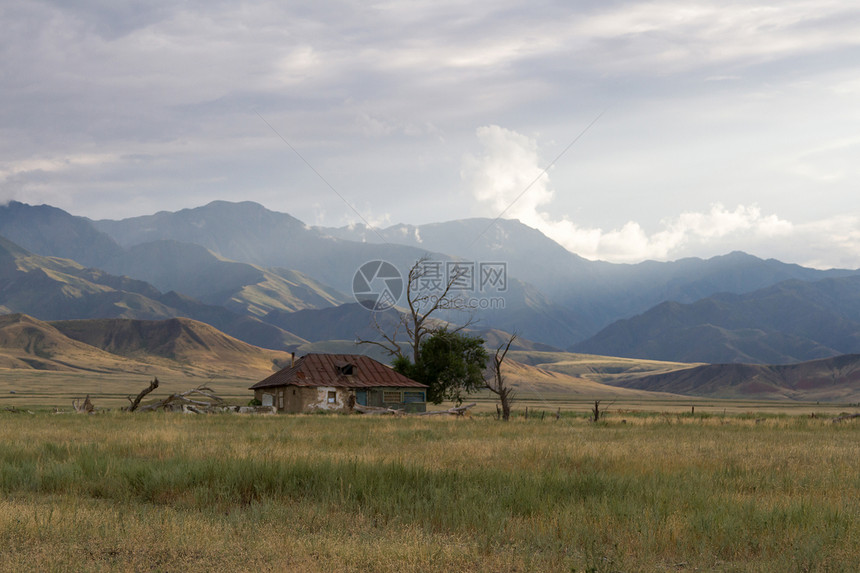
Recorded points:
(498, 179)
(669, 36)
(10, 169)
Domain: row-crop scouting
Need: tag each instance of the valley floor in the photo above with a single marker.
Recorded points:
(35, 390)
(635, 492)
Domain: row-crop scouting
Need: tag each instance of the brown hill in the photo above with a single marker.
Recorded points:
(540, 381)
(28, 343)
(831, 379)
(179, 343)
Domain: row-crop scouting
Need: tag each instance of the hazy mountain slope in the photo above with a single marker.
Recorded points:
(28, 343)
(186, 268)
(831, 379)
(789, 322)
(179, 343)
(49, 231)
(247, 328)
(345, 322)
(241, 287)
(50, 288)
(248, 232)
(598, 292)
(350, 322)
(531, 314)
(529, 255)
(627, 290)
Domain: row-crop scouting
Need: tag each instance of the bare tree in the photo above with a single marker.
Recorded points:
(136, 402)
(427, 291)
(498, 385)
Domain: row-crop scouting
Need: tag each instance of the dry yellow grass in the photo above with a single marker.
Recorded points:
(345, 493)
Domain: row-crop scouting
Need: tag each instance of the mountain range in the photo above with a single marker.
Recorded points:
(791, 321)
(271, 280)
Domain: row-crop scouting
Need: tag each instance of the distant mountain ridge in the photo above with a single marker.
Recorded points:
(596, 292)
(792, 321)
(249, 233)
(47, 230)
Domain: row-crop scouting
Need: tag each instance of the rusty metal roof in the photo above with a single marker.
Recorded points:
(325, 370)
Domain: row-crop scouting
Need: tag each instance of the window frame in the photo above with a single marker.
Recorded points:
(386, 394)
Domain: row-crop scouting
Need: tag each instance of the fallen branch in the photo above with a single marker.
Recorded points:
(455, 411)
(136, 402)
(845, 417)
(373, 410)
(178, 401)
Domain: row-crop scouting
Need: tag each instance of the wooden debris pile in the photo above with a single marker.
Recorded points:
(200, 400)
(373, 410)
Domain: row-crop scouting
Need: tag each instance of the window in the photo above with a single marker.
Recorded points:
(411, 396)
(332, 396)
(391, 397)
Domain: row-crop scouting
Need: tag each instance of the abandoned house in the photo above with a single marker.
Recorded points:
(336, 381)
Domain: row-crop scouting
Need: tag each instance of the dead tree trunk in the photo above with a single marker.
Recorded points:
(136, 402)
(497, 385)
(595, 411)
(85, 407)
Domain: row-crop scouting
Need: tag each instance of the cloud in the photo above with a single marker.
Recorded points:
(499, 178)
(730, 100)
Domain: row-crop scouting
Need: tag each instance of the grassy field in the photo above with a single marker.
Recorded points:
(636, 492)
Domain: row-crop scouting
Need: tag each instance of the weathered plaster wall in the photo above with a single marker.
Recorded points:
(322, 400)
(296, 399)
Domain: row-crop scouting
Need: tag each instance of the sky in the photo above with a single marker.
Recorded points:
(624, 130)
